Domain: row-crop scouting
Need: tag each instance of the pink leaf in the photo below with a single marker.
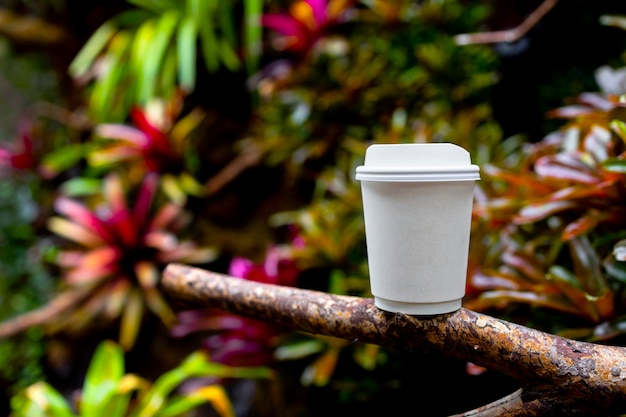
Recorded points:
(527, 264)
(283, 24)
(540, 211)
(319, 7)
(569, 112)
(75, 232)
(165, 217)
(566, 167)
(82, 215)
(121, 132)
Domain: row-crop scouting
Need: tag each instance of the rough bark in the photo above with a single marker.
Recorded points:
(558, 376)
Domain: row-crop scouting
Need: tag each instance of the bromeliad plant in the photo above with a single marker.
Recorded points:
(371, 72)
(158, 141)
(154, 47)
(560, 221)
(119, 250)
(305, 23)
(347, 74)
(345, 87)
(240, 341)
(109, 392)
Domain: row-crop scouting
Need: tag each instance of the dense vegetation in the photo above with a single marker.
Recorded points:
(225, 135)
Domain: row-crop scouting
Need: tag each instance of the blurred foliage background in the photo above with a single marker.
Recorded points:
(225, 135)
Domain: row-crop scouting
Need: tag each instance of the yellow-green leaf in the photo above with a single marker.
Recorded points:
(229, 56)
(90, 51)
(131, 319)
(186, 47)
(102, 98)
(153, 57)
(105, 371)
(209, 44)
(215, 394)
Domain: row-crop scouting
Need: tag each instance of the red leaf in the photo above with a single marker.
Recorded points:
(566, 167)
(158, 140)
(578, 192)
(527, 264)
(539, 211)
(144, 199)
(584, 224)
(125, 227)
(517, 179)
(490, 280)
(503, 297)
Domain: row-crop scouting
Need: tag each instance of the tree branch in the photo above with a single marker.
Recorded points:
(231, 171)
(29, 29)
(510, 35)
(45, 314)
(557, 375)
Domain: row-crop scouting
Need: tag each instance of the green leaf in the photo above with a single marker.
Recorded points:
(127, 388)
(40, 399)
(215, 394)
(615, 165)
(157, 6)
(225, 18)
(169, 71)
(197, 364)
(179, 406)
(63, 158)
(118, 405)
(186, 47)
(132, 18)
(252, 33)
(558, 273)
(140, 44)
(102, 99)
(160, 391)
(615, 269)
(105, 371)
(229, 56)
(153, 57)
(90, 51)
(81, 186)
(299, 349)
(199, 10)
(209, 45)
(587, 266)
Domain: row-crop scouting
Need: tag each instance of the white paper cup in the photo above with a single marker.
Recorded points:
(417, 205)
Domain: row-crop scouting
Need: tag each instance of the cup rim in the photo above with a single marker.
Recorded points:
(418, 174)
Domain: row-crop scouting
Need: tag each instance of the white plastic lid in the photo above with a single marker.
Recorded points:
(414, 162)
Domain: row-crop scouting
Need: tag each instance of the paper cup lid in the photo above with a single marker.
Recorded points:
(413, 162)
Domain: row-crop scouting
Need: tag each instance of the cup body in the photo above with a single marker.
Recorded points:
(417, 206)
